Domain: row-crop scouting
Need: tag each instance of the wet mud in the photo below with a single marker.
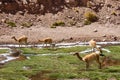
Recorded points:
(42, 76)
(109, 61)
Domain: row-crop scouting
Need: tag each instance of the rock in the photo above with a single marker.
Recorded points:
(3, 20)
(71, 3)
(69, 17)
(114, 38)
(108, 17)
(71, 38)
(79, 24)
(2, 57)
(21, 12)
(95, 30)
(15, 52)
(104, 40)
(104, 35)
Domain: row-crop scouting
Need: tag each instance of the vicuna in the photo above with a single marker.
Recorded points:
(20, 40)
(46, 41)
(95, 56)
(92, 43)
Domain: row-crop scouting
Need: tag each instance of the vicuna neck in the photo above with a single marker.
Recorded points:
(79, 56)
(15, 39)
(41, 40)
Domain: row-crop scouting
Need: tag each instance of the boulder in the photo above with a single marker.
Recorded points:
(15, 52)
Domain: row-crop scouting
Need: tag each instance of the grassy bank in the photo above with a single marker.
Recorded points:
(58, 66)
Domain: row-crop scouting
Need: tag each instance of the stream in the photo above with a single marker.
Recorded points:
(7, 58)
(60, 45)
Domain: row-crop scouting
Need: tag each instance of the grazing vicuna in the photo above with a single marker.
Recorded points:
(20, 40)
(95, 56)
(92, 43)
(46, 41)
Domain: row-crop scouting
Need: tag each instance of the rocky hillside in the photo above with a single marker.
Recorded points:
(36, 18)
(48, 12)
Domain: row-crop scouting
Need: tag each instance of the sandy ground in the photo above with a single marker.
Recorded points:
(63, 34)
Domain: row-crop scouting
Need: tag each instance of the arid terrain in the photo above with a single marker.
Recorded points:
(36, 21)
(61, 20)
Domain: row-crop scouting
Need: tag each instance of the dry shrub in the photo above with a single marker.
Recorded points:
(90, 17)
(58, 23)
(27, 24)
(10, 23)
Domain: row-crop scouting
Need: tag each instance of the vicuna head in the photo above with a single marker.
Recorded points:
(13, 37)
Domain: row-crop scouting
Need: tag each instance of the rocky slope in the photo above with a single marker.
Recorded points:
(25, 17)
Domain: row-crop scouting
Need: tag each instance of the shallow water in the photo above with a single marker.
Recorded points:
(63, 45)
(59, 45)
(8, 58)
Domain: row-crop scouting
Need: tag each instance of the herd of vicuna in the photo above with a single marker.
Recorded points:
(93, 56)
(24, 40)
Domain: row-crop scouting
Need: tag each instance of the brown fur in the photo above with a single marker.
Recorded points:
(92, 43)
(46, 41)
(20, 40)
(89, 58)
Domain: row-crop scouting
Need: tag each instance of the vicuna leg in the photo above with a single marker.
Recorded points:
(26, 43)
(19, 45)
(98, 61)
(87, 65)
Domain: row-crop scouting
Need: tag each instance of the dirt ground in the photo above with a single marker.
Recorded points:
(63, 34)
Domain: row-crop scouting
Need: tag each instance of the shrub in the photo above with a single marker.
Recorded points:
(91, 17)
(58, 23)
(89, 4)
(114, 13)
(10, 23)
(53, 26)
(72, 23)
(26, 24)
(86, 22)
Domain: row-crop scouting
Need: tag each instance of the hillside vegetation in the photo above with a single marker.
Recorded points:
(69, 11)
(29, 17)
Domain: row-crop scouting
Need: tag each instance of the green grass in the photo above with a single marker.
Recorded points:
(59, 66)
(3, 51)
(48, 50)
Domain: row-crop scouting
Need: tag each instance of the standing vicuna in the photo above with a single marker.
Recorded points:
(92, 43)
(20, 40)
(46, 41)
(95, 56)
